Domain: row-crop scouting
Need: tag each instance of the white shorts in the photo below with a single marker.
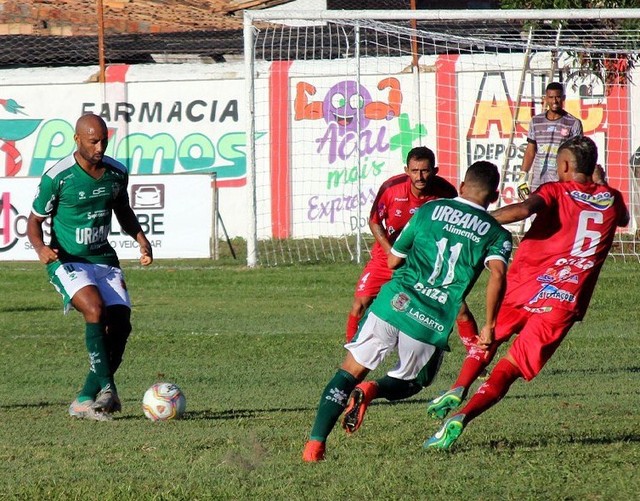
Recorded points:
(377, 338)
(69, 278)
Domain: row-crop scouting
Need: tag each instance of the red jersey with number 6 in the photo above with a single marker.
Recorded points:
(559, 259)
(395, 204)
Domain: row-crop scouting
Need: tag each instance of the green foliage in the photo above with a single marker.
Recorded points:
(612, 68)
(569, 4)
(252, 349)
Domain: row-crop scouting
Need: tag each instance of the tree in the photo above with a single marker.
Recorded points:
(613, 68)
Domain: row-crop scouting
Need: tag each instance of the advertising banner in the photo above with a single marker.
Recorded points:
(175, 213)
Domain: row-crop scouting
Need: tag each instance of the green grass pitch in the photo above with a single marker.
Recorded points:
(252, 350)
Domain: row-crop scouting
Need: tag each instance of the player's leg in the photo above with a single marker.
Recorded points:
(113, 290)
(77, 284)
(467, 326)
(375, 340)
(504, 374)
(332, 403)
(417, 366)
(358, 307)
(534, 346)
(89, 302)
(510, 320)
(373, 277)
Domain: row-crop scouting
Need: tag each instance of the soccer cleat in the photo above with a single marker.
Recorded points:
(440, 406)
(360, 398)
(85, 410)
(80, 409)
(313, 451)
(107, 401)
(447, 435)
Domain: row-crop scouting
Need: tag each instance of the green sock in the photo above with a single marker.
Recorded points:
(332, 403)
(90, 389)
(98, 354)
(396, 389)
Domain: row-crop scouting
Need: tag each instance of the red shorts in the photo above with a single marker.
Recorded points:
(540, 334)
(375, 274)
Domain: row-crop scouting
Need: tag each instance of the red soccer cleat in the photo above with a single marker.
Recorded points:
(313, 451)
(360, 398)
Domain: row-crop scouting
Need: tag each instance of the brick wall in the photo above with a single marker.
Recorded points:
(79, 17)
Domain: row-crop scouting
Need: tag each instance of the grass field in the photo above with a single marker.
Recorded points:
(252, 350)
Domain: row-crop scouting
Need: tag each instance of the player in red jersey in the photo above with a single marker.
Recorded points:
(397, 200)
(549, 284)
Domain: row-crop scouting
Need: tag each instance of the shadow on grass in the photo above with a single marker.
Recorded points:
(539, 442)
(592, 370)
(25, 309)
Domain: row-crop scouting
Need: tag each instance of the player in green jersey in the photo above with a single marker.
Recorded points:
(80, 194)
(438, 258)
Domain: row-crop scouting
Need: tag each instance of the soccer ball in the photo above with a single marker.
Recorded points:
(164, 401)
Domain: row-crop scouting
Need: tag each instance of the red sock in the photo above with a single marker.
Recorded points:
(468, 332)
(352, 327)
(491, 392)
(472, 367)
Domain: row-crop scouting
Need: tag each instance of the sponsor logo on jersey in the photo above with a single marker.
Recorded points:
(99, 192)
(563, 274)
(92, 235)
(400, 301)
(581, 263)
(541, 309)
(82, 195)
(48, 207)
(425, 320)
(464, 220)
(599, 201)
(397, 199)
(398, 213)
(98, 213)
(552, 292)
(507, 246)
(431, 293)
(413, 210)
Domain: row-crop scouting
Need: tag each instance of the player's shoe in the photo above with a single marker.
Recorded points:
(313, 451)
(79, 409)
(447, 435)
(360, 398)
(440, 406)
(107, 401)
(85, 410)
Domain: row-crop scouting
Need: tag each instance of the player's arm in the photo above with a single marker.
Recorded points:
(623, 212)
(35, 235)
(394, 261)
(496, 287)
(403, 244)
(522, 181)
(518, 212)
(130, 225)
(529, 155)
(379, 233)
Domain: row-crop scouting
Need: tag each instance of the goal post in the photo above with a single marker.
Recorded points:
(336, 99)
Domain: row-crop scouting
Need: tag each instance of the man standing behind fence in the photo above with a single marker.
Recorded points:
(547, 131)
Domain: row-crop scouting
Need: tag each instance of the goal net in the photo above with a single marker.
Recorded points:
(338, 98)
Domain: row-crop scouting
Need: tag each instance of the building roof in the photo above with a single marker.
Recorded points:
(65, 32)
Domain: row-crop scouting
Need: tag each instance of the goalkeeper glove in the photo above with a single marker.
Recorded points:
(523, 185)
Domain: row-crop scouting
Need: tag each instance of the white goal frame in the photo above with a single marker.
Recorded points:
(253, 19)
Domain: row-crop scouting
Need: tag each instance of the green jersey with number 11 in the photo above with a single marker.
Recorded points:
(446, 245)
